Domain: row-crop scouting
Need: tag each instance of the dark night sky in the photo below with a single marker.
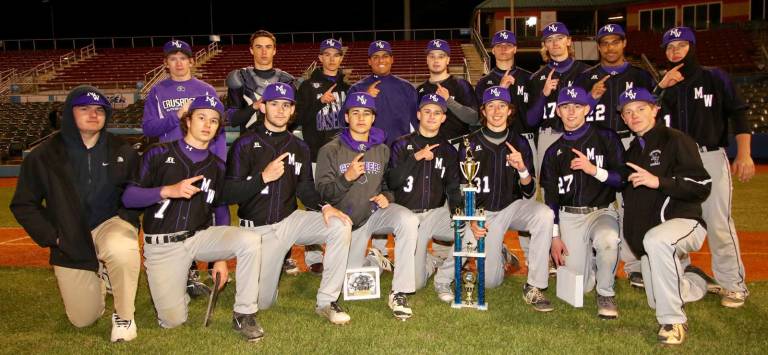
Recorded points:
(140, 18)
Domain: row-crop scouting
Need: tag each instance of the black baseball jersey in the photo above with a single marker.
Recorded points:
(425, 184)
(566, 187)
(606, 113)
(701, 106)
(320, 122)
(461, 92)
(249, 156)
(541, 111)
(165, 164)
(683, 183)
(499, 182)
(518, 91)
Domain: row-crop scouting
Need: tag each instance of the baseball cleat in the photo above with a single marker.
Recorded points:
(672, 334)
(606, 307)
(733, 299)
(376, 258)
(444, 292)
(195, 287)
(334, 313)
(533, 296)
(247, 326)
(510, 259)
(398, 303)
(290, 267)
(122, 329)
(712, 286)
(636, 280)
(316, 269)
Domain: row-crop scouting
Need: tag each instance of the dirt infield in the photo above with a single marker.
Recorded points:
(17, 249)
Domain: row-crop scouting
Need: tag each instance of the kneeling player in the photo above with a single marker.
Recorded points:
(662, 221)
(178, 184)
(423, 172)
(506, 186)
(279, 163)
(580, 190)
(350, 175)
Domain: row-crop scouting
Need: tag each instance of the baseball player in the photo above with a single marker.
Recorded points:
(514, 79)
(702, 102)
(68, 199)
(580, 176)
(350, 175)
(166, 103)
(246, 85)
(178, 185)
(560, 71)
(280, 165)
(396, 104)
(605, 82)
(663, 220)
(457, 92)
(506, 185)
(423, 174)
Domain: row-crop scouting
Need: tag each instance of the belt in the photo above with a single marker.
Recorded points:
(581, 210)
(167, 238)
(422, 210)
(704, 149)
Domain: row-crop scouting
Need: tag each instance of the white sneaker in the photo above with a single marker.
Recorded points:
(334, 313)
(122, 329)
(444, 292)
(376, 258)
(733, 299)
(398, 303)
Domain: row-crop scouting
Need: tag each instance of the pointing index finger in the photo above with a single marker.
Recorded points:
(357, 158)
(511, 148)
(677, 67)
(635, 167)
(195, 179)
(331, 88)
(577, 152)
(282, 156)
(375, 84)
(604, 79)
(551, 72)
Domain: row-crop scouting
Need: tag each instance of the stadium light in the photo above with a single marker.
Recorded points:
(614, 18)
(531, 21)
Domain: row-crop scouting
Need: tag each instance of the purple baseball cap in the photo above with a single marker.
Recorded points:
(177, 45)
(433, 99)
(678, 34)
(554, 28)
(278, 91)
(504, 36)
(378, 46)
(610, 29)
(635, 94)
(209, 102)
(330, 43)
(438, 45)
(360, 100)
(496, 93)
(91, 98)
(572, 95)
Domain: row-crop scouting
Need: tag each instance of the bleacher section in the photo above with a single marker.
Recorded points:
(756, 96)
(24, 60)
(22, 124)
(729, 48)
(409, 60)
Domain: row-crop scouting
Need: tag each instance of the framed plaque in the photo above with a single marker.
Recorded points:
(362, 284)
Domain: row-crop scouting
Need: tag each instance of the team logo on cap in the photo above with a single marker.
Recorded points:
(211, 101)
(496, 92)
(432, 97)
(608, 28)
(330, 42)
(675, 32)
(379, 44)
(280, 89)
(94, 96)
(176, 43)
(437, 43)
(504, 35)
(572, 93)
(630, 94)
(552, 27)
(361, 99)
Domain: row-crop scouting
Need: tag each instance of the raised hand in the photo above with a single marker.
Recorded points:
(550, 84)
(642, 177)
(426, 153)
(672, 77)
(599, 88)
(355, 169)
(275, 169)
(515, 159)
(373, 90)
(581, 162)
(182, 189)
(507, 80)
(328, 97)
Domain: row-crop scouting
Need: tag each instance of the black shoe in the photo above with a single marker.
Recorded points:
(247, 325)
(636, 280)
(195, 287)
(316, 269)
(533, 296)
(712, 286)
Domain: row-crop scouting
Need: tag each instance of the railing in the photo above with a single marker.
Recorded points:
(6, 77)
(151, 78)
(467, 77)
(67, 59)
(235, 38)
(650, 67)
(764, 54)
(88, 51)
(477, 40)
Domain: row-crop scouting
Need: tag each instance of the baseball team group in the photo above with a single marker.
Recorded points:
(629, 169)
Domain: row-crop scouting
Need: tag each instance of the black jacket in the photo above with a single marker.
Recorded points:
(48, 202)
(320, 122)
(683, 183)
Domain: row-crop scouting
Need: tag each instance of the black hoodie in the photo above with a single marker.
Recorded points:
(320, 122)
(65, 190)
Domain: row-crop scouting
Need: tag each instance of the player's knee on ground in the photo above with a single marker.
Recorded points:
(172, 317)
(266, 300)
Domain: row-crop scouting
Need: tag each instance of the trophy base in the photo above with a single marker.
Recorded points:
(476, 306)
(469, 254)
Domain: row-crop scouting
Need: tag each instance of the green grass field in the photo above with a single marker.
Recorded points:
(34, 321)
